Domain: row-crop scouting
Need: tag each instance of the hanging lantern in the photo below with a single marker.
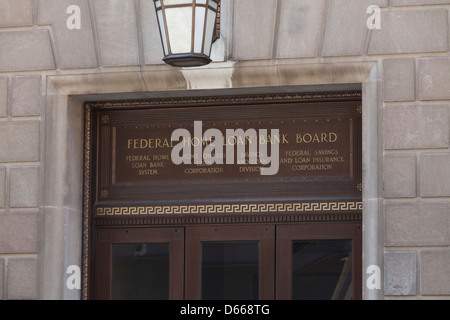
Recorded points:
(187, 29)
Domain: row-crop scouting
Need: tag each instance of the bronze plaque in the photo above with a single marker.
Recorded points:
(309, 147)
(318, 146)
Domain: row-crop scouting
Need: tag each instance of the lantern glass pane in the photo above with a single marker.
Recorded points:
(199, 28)
(163, 32)
(211, 21)
(201, 1)
(179, 24)
(212, 4)
(158, 4)
(175, 2)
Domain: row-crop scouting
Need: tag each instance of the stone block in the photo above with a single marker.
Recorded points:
(117, 32)
(415, 127)
(400, 175)
(434, 78)
(253, 29)
(25, 50)
(411, 31)
(22, 279)
(3, 96)
(299, 31)
(346, 26)
(2, 187)
(16, 13)
(435, 175)
(24, 187)
(74, 47)
(400, 273)
(417, 224)
(399, 79)
(18, 233)
(20, 141)
(417, 2)
(153, 52)
(435, 272)
(26, 96)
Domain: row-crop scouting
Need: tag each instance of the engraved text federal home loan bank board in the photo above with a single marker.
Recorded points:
(318, 144)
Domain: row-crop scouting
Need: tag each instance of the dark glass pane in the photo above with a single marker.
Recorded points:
(140, 271)
(230, 270)
(322, 270)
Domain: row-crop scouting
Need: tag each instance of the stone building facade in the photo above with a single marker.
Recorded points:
(48, 71)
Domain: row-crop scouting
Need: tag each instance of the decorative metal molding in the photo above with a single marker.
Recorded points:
(359, 110)
(86, 201)
(255, 208)
(106, 119)
(104, 194)
(139, 221)
(359, 187)
(246, 99)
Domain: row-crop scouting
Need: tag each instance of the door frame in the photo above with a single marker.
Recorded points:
(265, 234)
(103, 265)
(286, 234)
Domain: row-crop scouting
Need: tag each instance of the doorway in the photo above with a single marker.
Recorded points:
(160, 230)
(230, 262)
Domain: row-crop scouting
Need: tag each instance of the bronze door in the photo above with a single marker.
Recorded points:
(222, 231)
(139, 264)
(319, 262)
(230, 262)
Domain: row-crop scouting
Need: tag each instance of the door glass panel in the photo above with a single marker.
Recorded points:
(322, 270)
(230, 270)
(140, 271)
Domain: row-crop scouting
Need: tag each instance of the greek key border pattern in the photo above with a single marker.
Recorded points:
(231, 208)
